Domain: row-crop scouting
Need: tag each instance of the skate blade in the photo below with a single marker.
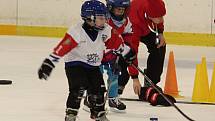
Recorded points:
(117, 110)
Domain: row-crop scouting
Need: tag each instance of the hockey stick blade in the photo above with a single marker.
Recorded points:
(161, 93)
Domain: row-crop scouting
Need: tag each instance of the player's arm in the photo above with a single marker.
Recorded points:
(133, 72)
(132, 40)
(65, 45)
(116, 43)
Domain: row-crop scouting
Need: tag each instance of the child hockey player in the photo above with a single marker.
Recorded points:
(118, 10)
(116, 67)
(121, 22)
(83, 47)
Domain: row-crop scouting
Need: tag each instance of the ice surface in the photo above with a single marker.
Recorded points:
(30, 99)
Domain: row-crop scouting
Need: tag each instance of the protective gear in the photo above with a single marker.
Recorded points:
(45, 69)
(102, 116)
(157, 99)
(74, 98)
(154, 98)
(111, 4)
(91, 9)
(71, 114)
(97, 107)
(87, 104)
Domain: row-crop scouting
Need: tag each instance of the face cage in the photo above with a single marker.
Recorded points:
(99, 27)
(121, 17)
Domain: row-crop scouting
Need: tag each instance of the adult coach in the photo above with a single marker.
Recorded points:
(148, 26)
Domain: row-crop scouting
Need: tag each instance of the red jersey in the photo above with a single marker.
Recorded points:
(125, 30)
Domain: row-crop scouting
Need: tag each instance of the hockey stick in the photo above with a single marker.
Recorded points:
(199, 103)
(161, 93)
(181, 102)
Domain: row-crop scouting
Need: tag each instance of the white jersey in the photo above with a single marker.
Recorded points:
(88, 51)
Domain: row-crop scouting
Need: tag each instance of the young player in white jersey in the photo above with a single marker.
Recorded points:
(83, 47)
(120, 22)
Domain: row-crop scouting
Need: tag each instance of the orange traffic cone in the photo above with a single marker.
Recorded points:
(171, 86)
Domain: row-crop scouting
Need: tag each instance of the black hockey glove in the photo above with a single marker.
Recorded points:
(45, 69)
(130, 57)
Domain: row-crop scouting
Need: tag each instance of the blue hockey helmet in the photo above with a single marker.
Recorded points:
(111, 4)
(118, 3)
(92, 8)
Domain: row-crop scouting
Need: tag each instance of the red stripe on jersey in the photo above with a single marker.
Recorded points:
(66, 45)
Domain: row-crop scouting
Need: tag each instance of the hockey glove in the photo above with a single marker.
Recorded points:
(157, 99)
(154, 98)
(45, 69)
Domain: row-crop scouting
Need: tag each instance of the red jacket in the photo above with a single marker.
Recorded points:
(140, 9)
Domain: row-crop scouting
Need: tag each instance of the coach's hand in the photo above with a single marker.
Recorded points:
(162, 41)
(136, 86)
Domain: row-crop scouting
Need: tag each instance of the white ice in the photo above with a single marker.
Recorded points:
(31, 99)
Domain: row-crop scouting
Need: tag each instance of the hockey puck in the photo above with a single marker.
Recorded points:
(5, 82)
(153, 119)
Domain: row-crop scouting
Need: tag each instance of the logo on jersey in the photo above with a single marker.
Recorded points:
(92, 58)
(104, 37)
